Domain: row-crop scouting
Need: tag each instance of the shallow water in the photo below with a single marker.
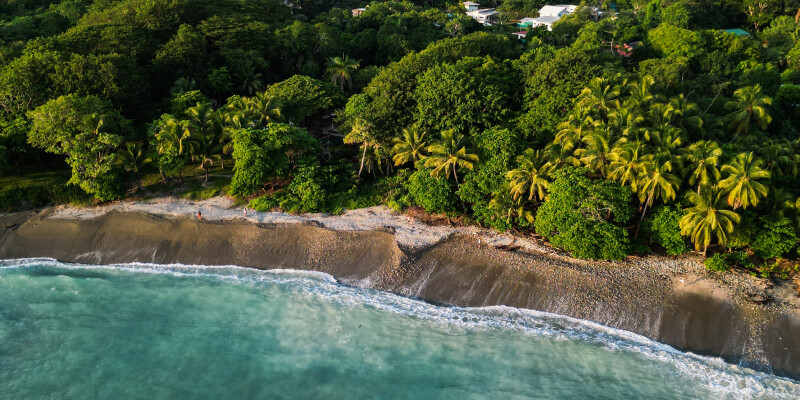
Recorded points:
(143, 331)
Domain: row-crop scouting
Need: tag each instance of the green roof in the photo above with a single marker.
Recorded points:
(737, 31)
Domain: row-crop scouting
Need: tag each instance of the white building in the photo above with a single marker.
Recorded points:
(548, 15)
(470, 6)
(555, 11)
(486, 16)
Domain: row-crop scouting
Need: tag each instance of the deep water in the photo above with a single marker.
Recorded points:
(142, 331)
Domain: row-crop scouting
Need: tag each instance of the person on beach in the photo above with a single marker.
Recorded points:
(245, 212)
(199, 215)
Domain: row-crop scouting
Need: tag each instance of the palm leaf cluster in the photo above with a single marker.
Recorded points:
(205, 134)
(661, 147)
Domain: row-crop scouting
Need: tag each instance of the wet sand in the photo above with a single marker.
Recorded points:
(670, 300)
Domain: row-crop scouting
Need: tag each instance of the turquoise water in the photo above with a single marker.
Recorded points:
(141, 331)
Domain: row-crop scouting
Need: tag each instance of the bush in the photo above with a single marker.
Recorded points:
(717, 263)
(665, 230)
(584, 216)
(777, 238)
(745, 232)
(260, 154)
(779, 270)
(264, 203)
(435, 195)
(739, 259)
(28, 197)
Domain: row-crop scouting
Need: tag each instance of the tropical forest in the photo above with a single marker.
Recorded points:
(625, 128)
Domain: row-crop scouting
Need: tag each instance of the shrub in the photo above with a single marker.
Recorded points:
(584, 216)
(717, 263)
(739, 259)
(665, 230)
(435, 195)
(264, 203)
(777, 238)
(780, 270)
(745, 232)
(307, 194)
(28, 197)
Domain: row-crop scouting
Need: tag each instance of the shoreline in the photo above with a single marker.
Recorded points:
(670, 300)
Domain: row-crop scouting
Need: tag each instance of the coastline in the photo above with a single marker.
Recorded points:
(671, 300)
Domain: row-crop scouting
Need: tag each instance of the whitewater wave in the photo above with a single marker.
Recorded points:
(724, 379)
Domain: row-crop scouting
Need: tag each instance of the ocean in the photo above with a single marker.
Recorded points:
(146, 331)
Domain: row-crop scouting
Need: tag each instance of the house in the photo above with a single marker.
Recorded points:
(520, 35)
(548, 15)
(470, 6)
(557, 11)
(358, 11)
(486, 16)
(544, 21)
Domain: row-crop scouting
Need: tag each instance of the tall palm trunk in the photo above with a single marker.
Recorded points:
(644, 211)
(363, 156)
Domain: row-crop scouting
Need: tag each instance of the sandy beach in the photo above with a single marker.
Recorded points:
(672, 300)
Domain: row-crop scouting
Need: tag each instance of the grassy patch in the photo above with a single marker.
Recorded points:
(198, 189)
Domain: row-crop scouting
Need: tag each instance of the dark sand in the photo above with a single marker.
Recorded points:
(662, 299)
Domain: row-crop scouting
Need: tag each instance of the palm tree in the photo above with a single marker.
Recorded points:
(748, 110)
(250, 81)
(263, 109)
(707, 217)
(596, 152)
(530, 178)
(183, 85)
(704, 158)
(410, 148)
(657, 181)
(688, 118)
(626, 162)
(361, 133)
(341, 70)
(641, 93)
(560, 155)
(171, 132)
(627, 123)
(574, 128)
(774, 155)
(132, 157)
(599, 96)
(449, 154)
(203, 120)
(742, 184)
(205, 147)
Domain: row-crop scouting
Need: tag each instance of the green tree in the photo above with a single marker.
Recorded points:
(341, 71)
(530, 178)
(169, 136)
(707, 217)
(585, 216)
(410, 148)
(657, 181)
(301, 97)
(88, 131)
(741, 183)
(450, 154)
(133, 157)
(260, 154)
(748, 111)
(703, 156)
